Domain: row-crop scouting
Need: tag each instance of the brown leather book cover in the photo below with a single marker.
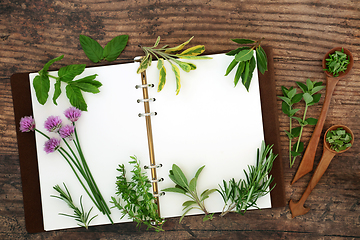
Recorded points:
(28, 156)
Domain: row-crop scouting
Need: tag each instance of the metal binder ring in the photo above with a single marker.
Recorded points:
(146, 100)
(147, 114)
(159, 195)
(153, 166)
(157, 180)
(144, 85)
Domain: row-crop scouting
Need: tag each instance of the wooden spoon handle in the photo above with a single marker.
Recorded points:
(320, 170)
(307, 161)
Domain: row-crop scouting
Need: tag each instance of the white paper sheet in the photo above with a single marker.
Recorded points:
(209, 123)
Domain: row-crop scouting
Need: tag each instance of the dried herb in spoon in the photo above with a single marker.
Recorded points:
(338, 139)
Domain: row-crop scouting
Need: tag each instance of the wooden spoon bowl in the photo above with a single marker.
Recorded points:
(328, 154)
(349, 66)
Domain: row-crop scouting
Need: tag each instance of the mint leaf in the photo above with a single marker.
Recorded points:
(68, 73)
(113, 49)
(75, 97)
(48, 64)
(41, 85)
(93, 50)
(86, 87)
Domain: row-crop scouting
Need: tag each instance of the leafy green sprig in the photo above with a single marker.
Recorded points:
(172, 56)
(240, 196)
(338, 139)
(136, 199)
(96, 53)
(245, 60)
(337, 62)
(289, 98)
(189, 189)
(74, 88)
(80, 215)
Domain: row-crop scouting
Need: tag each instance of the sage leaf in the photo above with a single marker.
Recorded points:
(160, 63)
(244, 55)
(179, 47)
(93, 50)
(162, 78)
(188, 204)
(157, 42)
(242, 41)
(174, 190)
(177, 76)
(113, 49)
(193, 57)
(75, 97)
(179, 176)
(193, 51)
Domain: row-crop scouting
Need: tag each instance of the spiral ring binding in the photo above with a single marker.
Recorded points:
(147, 114)
(159, 195)
(153, 166)
(146, 100)
(157, 180)
(144, 85)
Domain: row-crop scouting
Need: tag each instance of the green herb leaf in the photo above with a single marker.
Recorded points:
(244, 55)
(93, 50)
(236, 51)
(312, 121)
(179, 47)
(162, 78)
(57, 91)
(231, 66)
(75, 97)
(48, 64)
(68, 73)
(242, 41)
(261, 60)
(193, 51)
(179, 176)
(239, 72)
(41, 85)
(113, 49)
(177, 77)
(174, 190)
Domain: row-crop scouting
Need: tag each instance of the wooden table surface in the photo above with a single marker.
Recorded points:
(300, 33)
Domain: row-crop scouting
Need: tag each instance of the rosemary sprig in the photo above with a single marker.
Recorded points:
(136, 199)
(189, 189)
(172, 56)
(80, 215)
(242, 195)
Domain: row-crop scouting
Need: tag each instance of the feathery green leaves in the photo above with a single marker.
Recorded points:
(136, 199)
(240, 196)
(81, 216)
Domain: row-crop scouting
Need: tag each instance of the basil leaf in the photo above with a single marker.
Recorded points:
(75, 97)
(69, 72)
(93, 50)
(41, 85)
(113, 49)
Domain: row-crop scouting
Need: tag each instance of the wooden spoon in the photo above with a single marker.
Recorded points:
(307, 161)
(328, 154)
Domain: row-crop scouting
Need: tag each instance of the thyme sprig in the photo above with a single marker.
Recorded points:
(136, 199)
(171, 55)
(80, 215)
(240, 196)
(189, 189)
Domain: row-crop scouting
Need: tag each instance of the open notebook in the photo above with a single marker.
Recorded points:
(209, 123)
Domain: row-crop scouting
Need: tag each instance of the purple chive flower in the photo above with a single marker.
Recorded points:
(51, 145)
(67, 131)
(27, 124)
(53, 124)
(72, 113)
